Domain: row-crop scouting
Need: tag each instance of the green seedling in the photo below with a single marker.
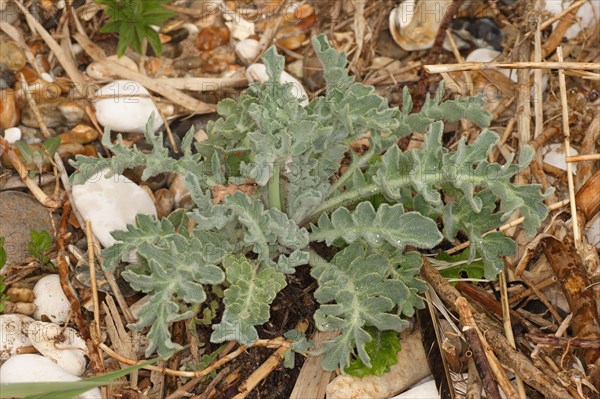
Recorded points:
(38, 157)
(133, 20)
(40, 244)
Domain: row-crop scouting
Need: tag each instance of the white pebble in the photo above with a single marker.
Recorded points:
(63, 346)
(50, 300)
(587, 15)
(124, 106)
(554, 154)
(36, 368)
(247, 49)
(47, 77)
(258, 73)
(12, 134)
(426, 389)
(111, 204)
(13, 334)
(191, 28)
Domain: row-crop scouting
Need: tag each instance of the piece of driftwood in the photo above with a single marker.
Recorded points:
(545, 383)
(469, 330)
(313, 380)
(572, 276)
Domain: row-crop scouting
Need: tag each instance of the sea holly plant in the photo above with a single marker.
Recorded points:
(280, 162)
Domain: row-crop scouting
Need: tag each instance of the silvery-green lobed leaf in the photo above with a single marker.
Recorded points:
(265, 229)
(388, 224)
(246, 300)
(177, 269)
(352, 297)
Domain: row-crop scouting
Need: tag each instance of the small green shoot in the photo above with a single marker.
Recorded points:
(133, 21)
(38, 157)
(381, 349)
(40, 244)
(3, 296)
(2, 253)
(458, 266)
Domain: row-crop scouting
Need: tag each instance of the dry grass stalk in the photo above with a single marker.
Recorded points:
(119, 338)
(268, 343)
(24, 175)
(508, 327)
(94, 282)
(505, 227)
(567, 136)
(485, 66)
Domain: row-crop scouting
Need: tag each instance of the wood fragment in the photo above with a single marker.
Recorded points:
(545, 383)
(473, 382)
(551, 340)
(568, 267)
(313, 380)
(585, 169)
(588, 200)
(481, 361)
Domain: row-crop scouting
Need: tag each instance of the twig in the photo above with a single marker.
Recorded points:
(63, 273)
(469, 330)
(518, 362)
(529, 291)
(561, 14)
(567, 135)
(507, 326)
(579, 158)
(559, 331)
(260, 373)
(551, 340)
(268, 343)
(94, 282)
(473, 382)
(484, 66)
(24, 175)
(211, 386)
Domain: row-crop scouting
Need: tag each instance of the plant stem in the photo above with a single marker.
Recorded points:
(314, 258)
(274, 190)
(360, 193)
(359, 163)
